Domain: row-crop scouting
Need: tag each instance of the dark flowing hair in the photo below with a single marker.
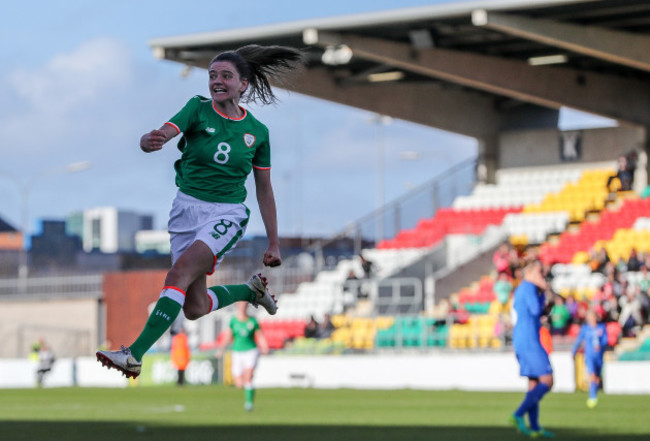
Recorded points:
(261, 65)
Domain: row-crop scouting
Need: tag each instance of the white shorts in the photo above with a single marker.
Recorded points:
(242, 360)
(218, 225)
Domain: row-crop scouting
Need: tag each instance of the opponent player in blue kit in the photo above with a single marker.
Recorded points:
(593, 336)
(529, 303)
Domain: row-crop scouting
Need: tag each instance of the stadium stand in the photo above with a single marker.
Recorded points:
(564, 214)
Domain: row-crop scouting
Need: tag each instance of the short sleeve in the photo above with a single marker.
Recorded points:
(262, 158)
(256, 325)
(186, 117)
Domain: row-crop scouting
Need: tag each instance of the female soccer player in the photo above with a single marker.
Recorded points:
(221, 143)
(529, 302)
(594, 337)
(245, 335)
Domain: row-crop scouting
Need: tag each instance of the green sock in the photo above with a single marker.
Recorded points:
(229, 294)
(249, 394)
(161, 318)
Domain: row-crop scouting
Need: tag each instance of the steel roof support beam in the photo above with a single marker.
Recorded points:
(618, 98)
(624, 48)
(456, 111)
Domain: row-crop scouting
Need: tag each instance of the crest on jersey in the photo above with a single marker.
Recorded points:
(249, 140)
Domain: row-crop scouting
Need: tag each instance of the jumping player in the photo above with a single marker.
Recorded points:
(245, 334)
(529, 302)
(221, 144)
(593, 336)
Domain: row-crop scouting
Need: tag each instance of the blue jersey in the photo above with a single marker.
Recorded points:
(594, 339)
(528, 306)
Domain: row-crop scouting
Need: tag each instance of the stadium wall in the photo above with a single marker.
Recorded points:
(127, 296)
(522, 148)
(69, 326)
(442, 371)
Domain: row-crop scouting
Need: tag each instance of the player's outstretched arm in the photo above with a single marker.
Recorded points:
(154, 140)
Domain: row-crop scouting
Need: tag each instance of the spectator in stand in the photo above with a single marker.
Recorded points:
(502, 289)
(621, 265)
(582, 306)
(624, 175)
(180, 354)
(572, 307)
(501, 259)
(611, 309)
(560, 316)
(352, 285)
(598, 260)
(633, 263)
(368, 267)
(326, 327)
(515, 261)
(593, 336)
(631, 311)
(311, 328)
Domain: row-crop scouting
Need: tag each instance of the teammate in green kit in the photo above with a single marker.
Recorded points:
(245, 334)
(221, 144)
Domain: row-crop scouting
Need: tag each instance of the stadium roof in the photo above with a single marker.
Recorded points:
(470, 68)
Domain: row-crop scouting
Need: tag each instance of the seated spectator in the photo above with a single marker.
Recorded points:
(312, 329)
(502, 288)
(515, 261)
(621, 266)
(560, 316)
(623, 175)
(326, 327)
(631, 311)
(599, 261)
(611, 309)
(501, 259)
(633, 263)
(352, 284)
(572, 306)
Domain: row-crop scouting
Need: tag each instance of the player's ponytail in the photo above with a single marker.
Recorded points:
(261, 65)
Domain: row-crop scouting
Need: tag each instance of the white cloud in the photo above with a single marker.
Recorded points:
(68, 81)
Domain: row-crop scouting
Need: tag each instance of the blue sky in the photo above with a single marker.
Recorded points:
(78, 82)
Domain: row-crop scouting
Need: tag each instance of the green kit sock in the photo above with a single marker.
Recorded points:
(229, 294)
(249, 394)
(161, 318)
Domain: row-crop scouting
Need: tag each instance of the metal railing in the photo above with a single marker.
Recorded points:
(34, 288)
(402, 213)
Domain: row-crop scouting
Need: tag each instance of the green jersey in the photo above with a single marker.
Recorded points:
(218, 152)
(243, 333)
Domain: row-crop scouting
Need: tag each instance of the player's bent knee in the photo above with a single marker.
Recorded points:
(192, 312)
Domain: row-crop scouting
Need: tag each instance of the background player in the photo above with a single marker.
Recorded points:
(222, 143)
(593, 336)
(245, 334)
(529, 302)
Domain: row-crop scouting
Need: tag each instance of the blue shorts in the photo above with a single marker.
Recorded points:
(594, 365)
(533, 363)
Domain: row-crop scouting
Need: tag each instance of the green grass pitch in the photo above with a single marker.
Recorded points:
(216, 413)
